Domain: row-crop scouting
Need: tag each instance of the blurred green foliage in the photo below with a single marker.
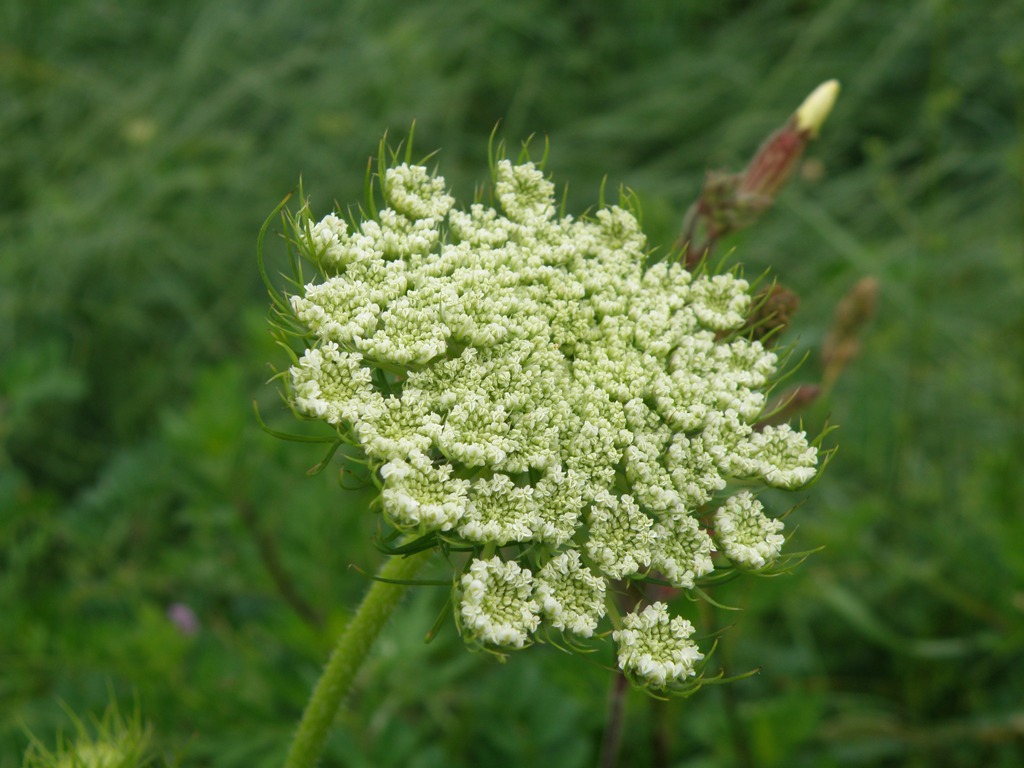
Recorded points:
(143, 145)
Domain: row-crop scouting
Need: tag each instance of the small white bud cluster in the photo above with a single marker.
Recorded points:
(747, 536)
(522, 381)
(655, 647)
(497, 605)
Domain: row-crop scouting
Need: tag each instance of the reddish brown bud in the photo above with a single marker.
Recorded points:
(771, 166)
(773, 307)
(729, 202)
(778, 155)
(842, 344)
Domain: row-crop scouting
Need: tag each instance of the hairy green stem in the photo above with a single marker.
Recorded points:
(349, 654)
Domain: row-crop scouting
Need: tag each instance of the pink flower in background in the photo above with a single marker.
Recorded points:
(184, 618)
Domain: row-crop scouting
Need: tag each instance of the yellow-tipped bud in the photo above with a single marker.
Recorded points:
(813, 113)
(732, 201)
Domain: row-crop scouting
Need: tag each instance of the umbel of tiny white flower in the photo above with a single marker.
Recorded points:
(747, 536)
(655, 648)
(525, 387)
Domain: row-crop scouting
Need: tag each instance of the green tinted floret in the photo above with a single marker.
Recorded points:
(331, 384)
(420, 495)
(746, 535)
(570, 595)
(655, 648)
(621, 536)
(496, 606)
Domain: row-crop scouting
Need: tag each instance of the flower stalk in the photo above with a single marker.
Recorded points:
(349, 654)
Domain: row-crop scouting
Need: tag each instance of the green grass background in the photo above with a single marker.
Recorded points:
(141, 147)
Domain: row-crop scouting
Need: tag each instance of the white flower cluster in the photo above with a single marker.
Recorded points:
(655, 647)
(520, 378)
(747, 536)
